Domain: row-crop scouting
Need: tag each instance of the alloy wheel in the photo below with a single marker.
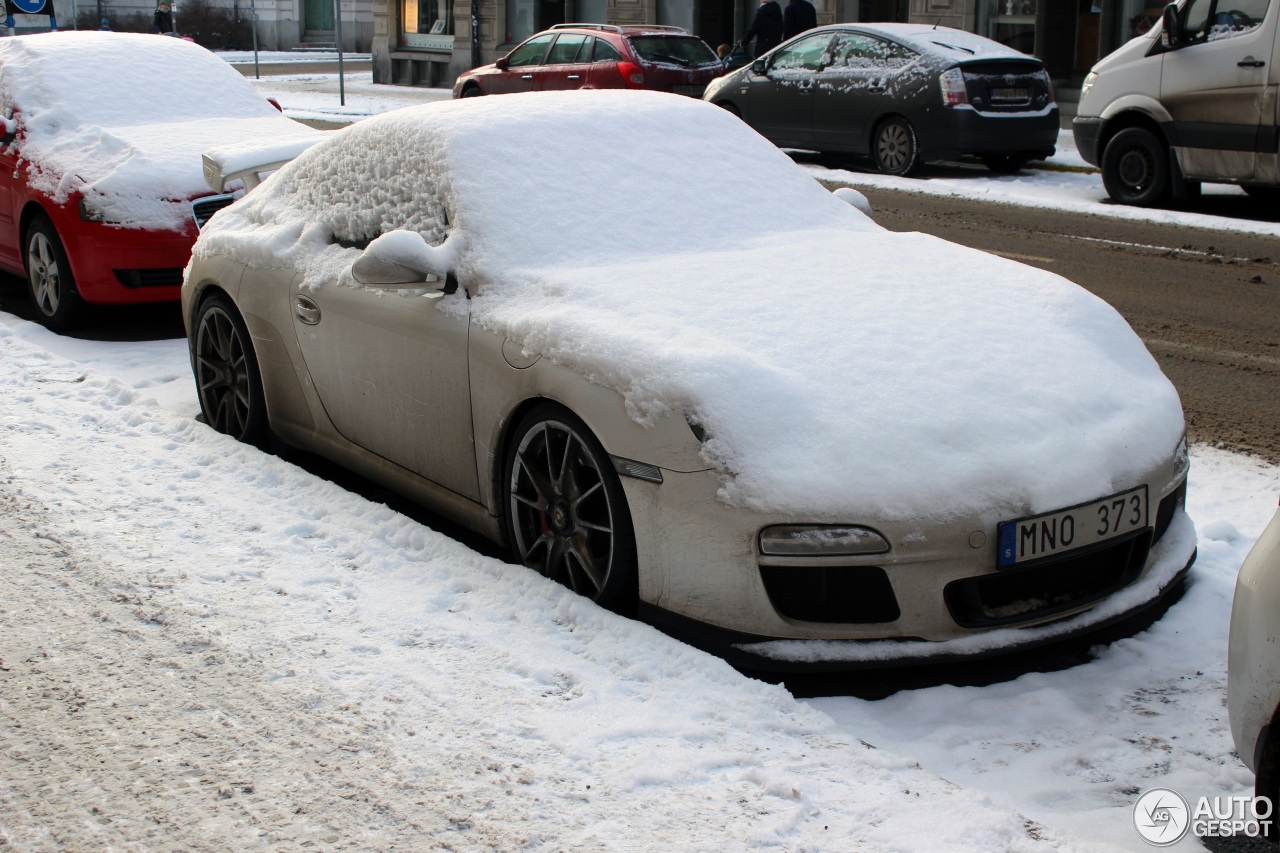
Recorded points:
(42, 267)
(563, 518)
(223, 373)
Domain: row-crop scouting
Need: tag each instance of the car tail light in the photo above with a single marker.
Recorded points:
(273, 102)
(953, 91)
(632, 74)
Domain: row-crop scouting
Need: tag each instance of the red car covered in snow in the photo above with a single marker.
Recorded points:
(101, 185)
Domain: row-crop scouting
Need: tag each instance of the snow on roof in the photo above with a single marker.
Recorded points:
(957, 44)
(660, 247)
(124, 118)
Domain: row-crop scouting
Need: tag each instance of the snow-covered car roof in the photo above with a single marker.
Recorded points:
(124, 119)
(660, 247)
(954, 44)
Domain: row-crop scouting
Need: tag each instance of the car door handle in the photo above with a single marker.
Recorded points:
(526, 76)
(307, 310)
(575, 76)
(1250, 62)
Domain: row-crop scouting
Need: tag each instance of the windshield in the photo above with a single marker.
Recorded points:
(685, 51)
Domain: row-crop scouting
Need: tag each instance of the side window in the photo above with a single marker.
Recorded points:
(861, 51)
(529, 53)
(805, 55)
(605, 52)
(1205, 21)
(566, 49)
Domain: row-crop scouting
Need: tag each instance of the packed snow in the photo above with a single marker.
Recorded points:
(275, 642)
(128, 135)
(592, 254)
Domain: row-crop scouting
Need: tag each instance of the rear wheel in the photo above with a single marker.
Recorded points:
(894, 147)
(227, 378)
(1135, 168)
(472, 92)
(52, 287)
(567, 516)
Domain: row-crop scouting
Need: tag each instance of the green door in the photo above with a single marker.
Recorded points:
(318, 15)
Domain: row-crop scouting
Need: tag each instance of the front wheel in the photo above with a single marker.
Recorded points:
(472, 92)
(894, 148)
(52, 287)
(1135, 168)
(227, 378)
(567, 516)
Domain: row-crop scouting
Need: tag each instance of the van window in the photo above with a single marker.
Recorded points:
(1230, 18)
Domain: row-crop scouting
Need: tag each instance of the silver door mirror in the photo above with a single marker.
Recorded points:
(402, 259)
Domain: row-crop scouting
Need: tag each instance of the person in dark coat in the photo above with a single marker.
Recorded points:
(766, 28)
(798, 17)
(164, 19)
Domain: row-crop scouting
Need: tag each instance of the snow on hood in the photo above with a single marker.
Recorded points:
(124, 118)
(660, 247)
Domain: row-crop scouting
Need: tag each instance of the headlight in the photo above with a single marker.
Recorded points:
(1181, 462)
(1089, 80)
(91, 214)
(821, 540)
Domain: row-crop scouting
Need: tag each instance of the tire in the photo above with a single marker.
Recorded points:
(1005, 164)
(730, 108)
(566, 514)
(894, 147)
(228, 380)
(50, 282)
(472, 92)
(1135, 168)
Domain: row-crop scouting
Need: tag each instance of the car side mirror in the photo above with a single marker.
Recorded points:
(759, 68)
(1169, 27)
(501, 63)
(402, 260)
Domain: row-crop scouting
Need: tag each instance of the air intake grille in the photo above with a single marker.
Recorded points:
(149, 278)
(859, 595)
(205, 208)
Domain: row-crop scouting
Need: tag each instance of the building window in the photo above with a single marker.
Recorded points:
(428, 24)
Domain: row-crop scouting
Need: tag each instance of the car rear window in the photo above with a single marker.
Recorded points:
(684, 51)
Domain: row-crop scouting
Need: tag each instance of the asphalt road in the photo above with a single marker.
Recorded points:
(1207, 303)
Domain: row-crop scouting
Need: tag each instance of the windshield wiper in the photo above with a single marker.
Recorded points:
(677, 60)
(954, 47)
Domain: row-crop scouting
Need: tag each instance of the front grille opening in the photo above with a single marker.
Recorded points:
(149, 278)
(1172, 502)
(1018, 595)
(854, 595)
(204, 208)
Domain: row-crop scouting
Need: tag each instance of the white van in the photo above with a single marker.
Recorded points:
(1195, 99)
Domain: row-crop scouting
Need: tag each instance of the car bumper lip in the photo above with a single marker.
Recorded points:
(1086, 130)
(1159, 586)
(969, 131)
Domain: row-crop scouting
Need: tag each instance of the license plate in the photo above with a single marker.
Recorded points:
(695, 91)
(1065, 530)
(1010, 95)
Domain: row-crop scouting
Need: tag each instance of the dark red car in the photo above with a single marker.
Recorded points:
(599, 56)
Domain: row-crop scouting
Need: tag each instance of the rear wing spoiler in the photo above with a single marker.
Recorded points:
(250, 162)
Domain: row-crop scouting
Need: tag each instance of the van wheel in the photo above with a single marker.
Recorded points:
(1135, 168)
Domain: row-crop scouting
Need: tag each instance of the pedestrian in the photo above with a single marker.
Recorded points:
(164, 19)
(766, 28)
(106, 26)
(798, 17)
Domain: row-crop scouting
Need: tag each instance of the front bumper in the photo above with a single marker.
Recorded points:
(1087, 130)
(1253, 650)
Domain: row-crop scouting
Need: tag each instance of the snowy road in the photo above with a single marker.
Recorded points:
(206, 647)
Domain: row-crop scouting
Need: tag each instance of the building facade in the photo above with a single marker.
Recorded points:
(429, 42)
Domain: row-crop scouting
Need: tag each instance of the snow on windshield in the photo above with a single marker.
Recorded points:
(660, 247)
(124, 118)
